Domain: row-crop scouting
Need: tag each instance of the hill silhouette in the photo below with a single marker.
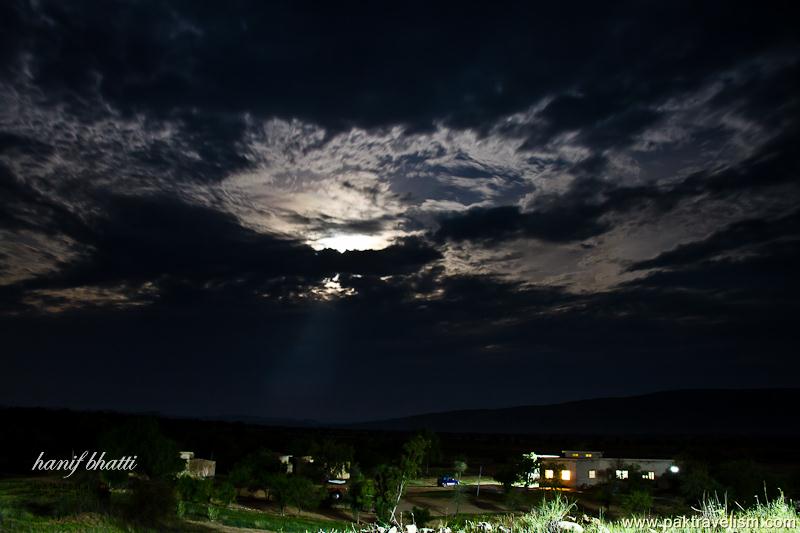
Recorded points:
(721, 412)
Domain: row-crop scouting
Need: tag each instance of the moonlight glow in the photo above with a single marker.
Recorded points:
(346, 242)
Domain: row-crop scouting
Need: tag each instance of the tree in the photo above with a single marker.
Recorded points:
(293, 490)
(157, 456)
(361, 494)
(391, 480)
(302, 493)
(522, 471)
(434, 452)
(507, 475)
(256, 470)
(459, 467)
(388, 490)
(332, 457)
(153, 497)
(280, 491)
(527, 467)
(458, 497)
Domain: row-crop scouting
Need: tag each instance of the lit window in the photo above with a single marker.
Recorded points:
(592, 474)
(565, 475)
(648, 475)
(548, 474)
(622, 474)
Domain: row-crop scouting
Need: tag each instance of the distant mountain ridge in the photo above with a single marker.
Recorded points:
(699, 411)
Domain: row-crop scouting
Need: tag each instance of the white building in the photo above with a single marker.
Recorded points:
(197, 468)
(584, 468)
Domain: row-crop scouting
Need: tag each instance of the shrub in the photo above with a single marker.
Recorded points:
(421, 516)
(514, 500)
(638, 502)
(507, 475)
(697, 483)
(213, 513)
(303, 494)
(83, 495)
(224, 493)
(361, 494)
(195, 490)
(152, 502)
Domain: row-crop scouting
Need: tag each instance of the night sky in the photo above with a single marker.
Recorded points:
(347, 213)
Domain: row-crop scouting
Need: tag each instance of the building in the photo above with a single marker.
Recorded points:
(295, 464)
(197, 468)
(585, 468)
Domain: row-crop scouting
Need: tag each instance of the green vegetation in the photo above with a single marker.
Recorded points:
(774, 516)
(260, 520)
(519, 472)
(459, 467)
(156, 455)
(158, 498)
(361, 496)
(330, 459)
(43, 505)
(421, 516)
(391, 481)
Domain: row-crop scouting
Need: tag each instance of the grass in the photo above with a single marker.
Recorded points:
(42, 505)
(260, 520)
(45, 505)
(39, 506)
(546, 517)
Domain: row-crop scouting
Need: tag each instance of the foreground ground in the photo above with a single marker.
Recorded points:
(39, 505)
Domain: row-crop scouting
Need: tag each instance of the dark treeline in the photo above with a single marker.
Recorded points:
(28, 431)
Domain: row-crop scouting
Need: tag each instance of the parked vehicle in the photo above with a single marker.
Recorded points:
(447, 481)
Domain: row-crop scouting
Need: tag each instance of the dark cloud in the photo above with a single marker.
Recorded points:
(578, 214)
(381, 65)
(496, 224)
(22, 206)
(152, 208)
(603, 120)
(740, 236)
(765, 275)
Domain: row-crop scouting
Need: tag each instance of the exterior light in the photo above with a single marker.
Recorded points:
(674, 469)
